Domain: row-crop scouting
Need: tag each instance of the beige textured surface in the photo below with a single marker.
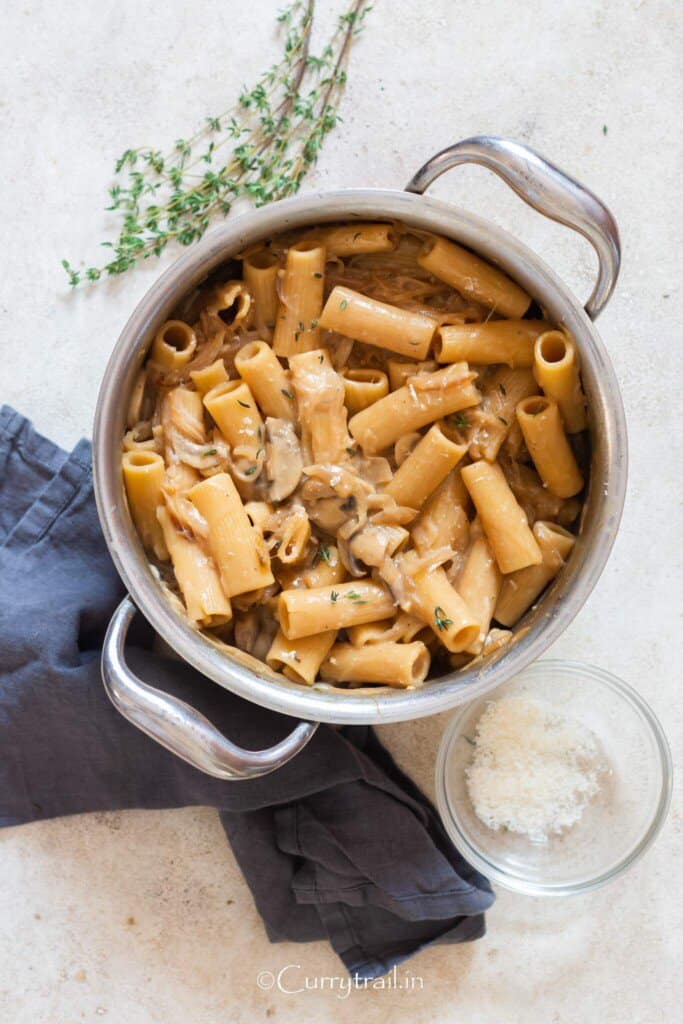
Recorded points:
(143, 916)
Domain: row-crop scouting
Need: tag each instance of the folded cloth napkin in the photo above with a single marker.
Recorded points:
(337, 844)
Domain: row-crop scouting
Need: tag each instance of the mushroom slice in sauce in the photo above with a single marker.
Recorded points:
(283, 459)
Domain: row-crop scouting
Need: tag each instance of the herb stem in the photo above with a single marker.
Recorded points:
(275, 131)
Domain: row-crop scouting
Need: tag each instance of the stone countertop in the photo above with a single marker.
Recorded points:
(143, 916)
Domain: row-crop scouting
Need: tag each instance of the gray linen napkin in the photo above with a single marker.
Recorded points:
(338, 844)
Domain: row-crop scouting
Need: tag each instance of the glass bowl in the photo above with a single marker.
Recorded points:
(616, 827)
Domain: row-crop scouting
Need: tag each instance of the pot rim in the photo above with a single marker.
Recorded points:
(554, 612)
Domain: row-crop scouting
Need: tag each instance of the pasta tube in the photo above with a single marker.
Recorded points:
(320, 398)
(440, 605)
(377, 323)
(143, 476)
(303, 612)
(258, 365)
(557, 371)
(174, 345)
(504, 522)
(548, 446)
(197, 577)
(234, 410)
(520, 589)
(260, 274)
(496, 341)
(237, 547)
(400, 665)
(296, 327)
(479, 586)
(212, 375)
(299, 660)
(422, 400)
(426, 467)
(443, 521)
(358, 239)
(364, 387)
(182, 416)
(473, 277)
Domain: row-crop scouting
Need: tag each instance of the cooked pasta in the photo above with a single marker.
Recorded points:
(360, 461)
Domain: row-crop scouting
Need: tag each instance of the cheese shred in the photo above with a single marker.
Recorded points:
(533, 770)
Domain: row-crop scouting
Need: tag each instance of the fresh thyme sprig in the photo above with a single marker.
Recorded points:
(262, 149)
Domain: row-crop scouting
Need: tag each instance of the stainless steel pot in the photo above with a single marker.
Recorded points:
(553, 193)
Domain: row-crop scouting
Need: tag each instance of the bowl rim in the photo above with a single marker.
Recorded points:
(320, 702)
(509, 880)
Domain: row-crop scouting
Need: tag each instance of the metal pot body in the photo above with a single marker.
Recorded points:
(550, 191)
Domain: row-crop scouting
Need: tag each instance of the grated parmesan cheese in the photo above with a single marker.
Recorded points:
(533, 771)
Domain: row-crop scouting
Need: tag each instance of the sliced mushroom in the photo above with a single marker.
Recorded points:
(284, 462)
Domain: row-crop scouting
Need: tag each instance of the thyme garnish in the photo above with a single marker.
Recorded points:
(260, 148)
(458, 420)
(440, 619)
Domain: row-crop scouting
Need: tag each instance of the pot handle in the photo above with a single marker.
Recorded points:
(545, 187)
(177, 726)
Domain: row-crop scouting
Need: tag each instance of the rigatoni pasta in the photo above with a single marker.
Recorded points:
(474, 277)
(496, 341)
(358, 239)
(363, 387)
(548, 446)
(556, 369)
(260, 276)
(352, 461)
(503, 520)
(389, 663)
(301, 300)
(237, 546)
(520, 589)
(377, 323)
(143, 476)
(206, 602)
(429, 463)
(422, 400)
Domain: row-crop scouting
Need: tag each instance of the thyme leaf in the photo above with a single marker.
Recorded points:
(440, 619)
